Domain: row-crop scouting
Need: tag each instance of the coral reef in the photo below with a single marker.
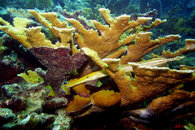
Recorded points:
(28, 105)
(149, 81)
(113, 51)
(59, 63)
(57, 60)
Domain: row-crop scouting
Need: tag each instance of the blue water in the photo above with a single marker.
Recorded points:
(180, 12)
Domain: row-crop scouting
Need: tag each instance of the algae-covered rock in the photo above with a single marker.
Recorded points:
(31, 121)
(62, 121)
(6, 115)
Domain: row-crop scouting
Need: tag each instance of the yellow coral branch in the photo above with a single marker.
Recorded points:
(31, 77)
(127, 68)
(154, 24)
(145, 45)
(78, 103)
(105, 39)
(52, 17)
(33, 37)
(18, 30)
(37, 39)
(189, 47)
(106, 98)
(106, 14)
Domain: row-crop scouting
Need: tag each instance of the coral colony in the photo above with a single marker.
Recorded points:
(97, 69)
